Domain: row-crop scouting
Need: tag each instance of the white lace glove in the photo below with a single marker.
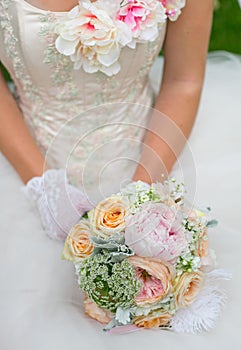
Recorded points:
(60, 204)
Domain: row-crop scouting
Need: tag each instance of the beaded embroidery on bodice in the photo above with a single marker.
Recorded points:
(50, 92)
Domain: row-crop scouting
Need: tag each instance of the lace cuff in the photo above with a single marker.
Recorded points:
(60, 204)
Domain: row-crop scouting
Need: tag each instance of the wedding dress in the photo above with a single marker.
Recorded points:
(40, 303)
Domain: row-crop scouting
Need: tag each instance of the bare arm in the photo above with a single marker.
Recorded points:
(21, 150)
(16, 142)
(185, 51)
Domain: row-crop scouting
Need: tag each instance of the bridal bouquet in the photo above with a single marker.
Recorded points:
(143, 259)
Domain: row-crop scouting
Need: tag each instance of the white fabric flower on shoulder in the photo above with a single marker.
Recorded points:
(91, 38)
(173, 8)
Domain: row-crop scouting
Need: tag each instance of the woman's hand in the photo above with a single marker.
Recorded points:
(60, 204)
(185, 52)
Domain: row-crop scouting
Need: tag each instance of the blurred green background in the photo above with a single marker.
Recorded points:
(226, 31)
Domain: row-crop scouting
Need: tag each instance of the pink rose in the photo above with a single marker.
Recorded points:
(156, 231)
(155, 278)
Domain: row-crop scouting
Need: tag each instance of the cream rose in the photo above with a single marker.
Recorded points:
(109, 216)
(93, 311)
(187, 288)
(78, 244)
(153, 320)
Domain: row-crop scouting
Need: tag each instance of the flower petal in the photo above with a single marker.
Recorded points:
(65, 47)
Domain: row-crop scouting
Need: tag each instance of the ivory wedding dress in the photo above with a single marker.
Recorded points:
(40, 304)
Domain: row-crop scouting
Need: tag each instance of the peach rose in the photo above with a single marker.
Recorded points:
(153, 320)
(207, 255)
(187, 288)
(98, 314)
(203, 246)
(155, 278)
(78, 244)
(109, 216)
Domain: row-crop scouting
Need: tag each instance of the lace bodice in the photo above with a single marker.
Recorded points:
(51, 92)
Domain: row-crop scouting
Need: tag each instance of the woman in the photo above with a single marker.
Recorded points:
(82, 111)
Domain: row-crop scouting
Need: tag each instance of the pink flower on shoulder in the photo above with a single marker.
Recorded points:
(143, 17)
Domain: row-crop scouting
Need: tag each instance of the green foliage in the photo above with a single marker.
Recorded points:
(5, 73)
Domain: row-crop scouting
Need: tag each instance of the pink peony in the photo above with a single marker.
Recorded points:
(156, 231)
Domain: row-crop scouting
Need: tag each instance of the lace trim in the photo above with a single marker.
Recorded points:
(20, 71)
(11, 41)
(61, 66)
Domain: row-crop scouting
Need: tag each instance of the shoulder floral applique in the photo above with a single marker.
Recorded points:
(173, 8)
(92, 34)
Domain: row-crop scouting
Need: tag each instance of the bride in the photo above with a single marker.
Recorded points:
(90, 112)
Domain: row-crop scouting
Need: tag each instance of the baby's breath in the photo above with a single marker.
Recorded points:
(187, 262)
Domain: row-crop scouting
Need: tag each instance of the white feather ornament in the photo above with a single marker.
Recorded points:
(203, 313)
